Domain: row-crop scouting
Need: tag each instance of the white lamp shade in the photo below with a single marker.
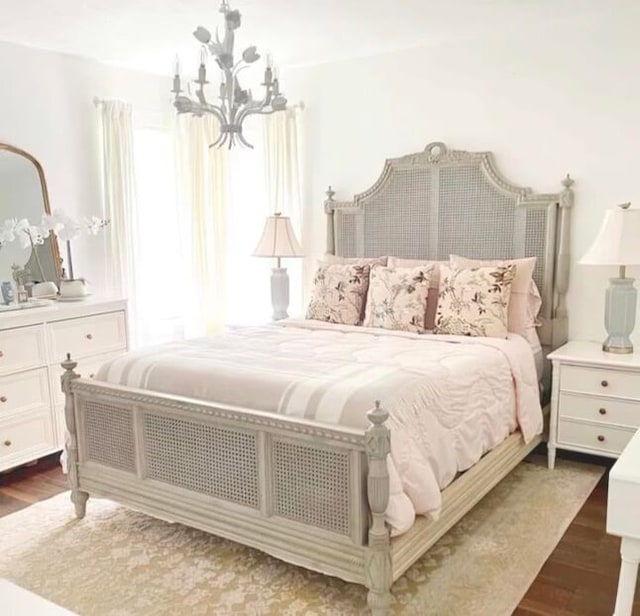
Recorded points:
(278, 239)
(618, 241)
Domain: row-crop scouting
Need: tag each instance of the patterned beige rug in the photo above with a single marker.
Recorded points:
(118, 562)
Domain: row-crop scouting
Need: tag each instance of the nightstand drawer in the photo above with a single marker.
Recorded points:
(599, 381)
(595, 437)
(606, 410)
(102, 333)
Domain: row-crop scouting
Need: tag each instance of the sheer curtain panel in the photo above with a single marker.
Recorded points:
(203, 195)
(119, 193)
(283, 181)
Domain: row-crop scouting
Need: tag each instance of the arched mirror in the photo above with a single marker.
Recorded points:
(23, 194)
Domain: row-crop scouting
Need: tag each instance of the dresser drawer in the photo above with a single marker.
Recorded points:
(86, 368)
(24, 439)
(102, 333)
(24, 391)
(599, 381)
(606, 410)
(603, 438)
(22, 348)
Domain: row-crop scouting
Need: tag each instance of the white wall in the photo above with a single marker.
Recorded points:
(47, 108)
(546, 103)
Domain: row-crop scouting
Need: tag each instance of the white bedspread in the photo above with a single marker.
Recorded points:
(450, 398)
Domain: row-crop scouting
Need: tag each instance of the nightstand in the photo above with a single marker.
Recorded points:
(595, 400)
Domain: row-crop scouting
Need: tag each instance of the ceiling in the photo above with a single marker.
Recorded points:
(146, 34)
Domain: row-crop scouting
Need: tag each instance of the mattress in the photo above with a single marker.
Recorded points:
(450, 399)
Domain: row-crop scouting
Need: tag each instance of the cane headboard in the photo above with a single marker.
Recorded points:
(440, 202)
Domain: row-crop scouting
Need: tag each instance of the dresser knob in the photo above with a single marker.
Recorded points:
(604, 383)
(3, 398)
(602, 411)
(1, 354)
(601, 438)
(7, 443)
(92, 375)
(89, 336)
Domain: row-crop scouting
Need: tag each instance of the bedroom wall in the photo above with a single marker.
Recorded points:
(546, 103)
(47, 108)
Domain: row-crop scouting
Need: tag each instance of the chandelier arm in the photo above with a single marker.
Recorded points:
(214, 110)
(219, 141)
(243, 141)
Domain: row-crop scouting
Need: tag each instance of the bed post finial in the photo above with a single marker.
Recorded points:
(78, 497)
(564, 253)
(329, 210)
(378, 556)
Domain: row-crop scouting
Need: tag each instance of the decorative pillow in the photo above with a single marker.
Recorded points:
(397, 297)
(338, 293)
(333, 260)
(434, 283)
(525, 301)
(474, 301)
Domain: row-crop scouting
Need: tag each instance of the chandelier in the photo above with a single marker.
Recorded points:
(235, 103)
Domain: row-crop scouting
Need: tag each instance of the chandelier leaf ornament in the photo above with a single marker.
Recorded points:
(235, 103)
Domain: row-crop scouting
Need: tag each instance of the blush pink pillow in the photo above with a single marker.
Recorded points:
(434, 284)
(525, 302)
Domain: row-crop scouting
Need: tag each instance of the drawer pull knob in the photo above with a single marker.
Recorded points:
(1, 353)
(602, 411)
(92, 375)
(7, 443)
(601, 438)
(604, 383)
(89, 336)
(3, 398)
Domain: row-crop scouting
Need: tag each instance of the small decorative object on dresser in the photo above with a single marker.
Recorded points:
(618, 243)
(278, 240)
(32, 345)
(595, 400)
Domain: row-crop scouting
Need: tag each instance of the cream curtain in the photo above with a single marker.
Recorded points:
(119, 194)
(283, 181)
(203, 194)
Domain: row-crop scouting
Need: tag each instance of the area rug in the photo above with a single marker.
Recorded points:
(117, 562)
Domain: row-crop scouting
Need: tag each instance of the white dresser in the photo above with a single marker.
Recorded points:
(595, 400)
(33, 342)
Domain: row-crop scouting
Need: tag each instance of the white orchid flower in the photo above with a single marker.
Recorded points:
(8, 229)
(95, 224)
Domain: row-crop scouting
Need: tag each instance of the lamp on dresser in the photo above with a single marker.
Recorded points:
(278, 240)
(618, 243)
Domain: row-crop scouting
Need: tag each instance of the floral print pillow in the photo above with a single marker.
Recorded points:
(338, 293)
(474, 301)
(397, 298)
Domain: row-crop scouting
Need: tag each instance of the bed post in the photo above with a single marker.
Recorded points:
(78, 497)
(378, 556)
(329, 210)
(559, 314)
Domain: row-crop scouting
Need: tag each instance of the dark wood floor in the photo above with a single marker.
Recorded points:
(578, 579)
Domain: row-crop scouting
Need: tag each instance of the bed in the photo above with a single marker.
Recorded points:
(305, 489)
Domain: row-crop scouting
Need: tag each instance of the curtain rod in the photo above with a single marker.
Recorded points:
(100, 101)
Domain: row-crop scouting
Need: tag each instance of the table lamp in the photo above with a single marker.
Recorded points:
(618, 243)
(278, 240)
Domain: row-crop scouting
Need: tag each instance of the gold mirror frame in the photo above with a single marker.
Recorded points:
(57, 261)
